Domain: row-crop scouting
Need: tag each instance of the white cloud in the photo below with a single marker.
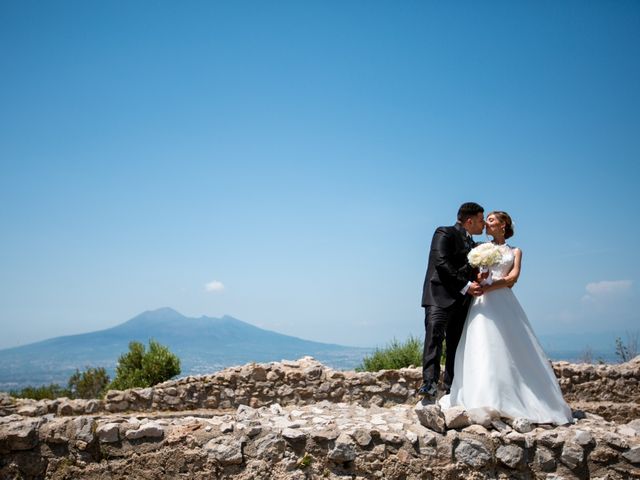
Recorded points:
(214, 286)
(606, 289)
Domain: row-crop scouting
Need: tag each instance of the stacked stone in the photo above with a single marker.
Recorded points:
(299, 382)
(324, 440)
(611, 391)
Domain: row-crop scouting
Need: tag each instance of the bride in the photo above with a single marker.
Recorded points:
(499, 363)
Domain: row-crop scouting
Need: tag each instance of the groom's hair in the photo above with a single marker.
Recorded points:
(469, 209)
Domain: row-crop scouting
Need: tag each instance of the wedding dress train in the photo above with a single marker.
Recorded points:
(500, 364)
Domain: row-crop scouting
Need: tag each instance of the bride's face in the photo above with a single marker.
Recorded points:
(494, 226)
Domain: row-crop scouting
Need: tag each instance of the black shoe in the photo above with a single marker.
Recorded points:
(447, 389)
(428, 390)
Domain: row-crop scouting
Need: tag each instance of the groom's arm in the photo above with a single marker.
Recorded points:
(443, 250)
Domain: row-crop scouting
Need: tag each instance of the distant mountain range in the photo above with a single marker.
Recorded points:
(204, 345)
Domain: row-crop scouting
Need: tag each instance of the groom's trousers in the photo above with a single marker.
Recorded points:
(441, 323)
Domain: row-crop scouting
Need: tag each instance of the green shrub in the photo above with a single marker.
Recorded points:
(40, 393)
(140, 368)
(91, 383)
(395, 355)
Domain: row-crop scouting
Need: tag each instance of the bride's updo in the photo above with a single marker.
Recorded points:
(506, 219)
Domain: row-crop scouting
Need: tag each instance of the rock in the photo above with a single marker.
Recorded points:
(412, 437)
(476, 430)
(32, 410)
(226, 427)
(55, 431)
(633, 455)
(20, 435)
(572, 455)
(550, 439)
(510, 455)
(147, 430)
(634, 425)
(92, 406)
(245, 412)
(276, 409)
(399, 390)
(430, 415)
(515, 437)
(626, 431)
(521, 425)
(391, 438)
(472, 452)
(326, 434)
(616, 440)
(84, 428)
(344, 449)
(456, 418)
(545, 459)
(270, 447)
(250, 429)
(363, 438)
(583, 438)
(65, 407)
(294, 434)
(500, 426)
(108, 432)
(225, 450)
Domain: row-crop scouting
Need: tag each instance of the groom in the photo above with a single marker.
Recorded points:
(448, 287)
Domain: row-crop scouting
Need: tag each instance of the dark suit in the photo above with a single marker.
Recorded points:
(448, 272)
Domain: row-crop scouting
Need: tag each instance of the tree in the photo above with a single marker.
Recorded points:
(91, 383)
(145, 368)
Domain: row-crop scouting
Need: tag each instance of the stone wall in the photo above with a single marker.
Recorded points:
(321, 441)
(302, 420)
(612, 391)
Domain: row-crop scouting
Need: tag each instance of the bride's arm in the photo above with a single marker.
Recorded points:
(511, 278)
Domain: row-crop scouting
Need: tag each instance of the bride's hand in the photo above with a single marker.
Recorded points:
(482, 276)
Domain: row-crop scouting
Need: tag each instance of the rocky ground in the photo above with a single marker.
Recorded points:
(295, 420)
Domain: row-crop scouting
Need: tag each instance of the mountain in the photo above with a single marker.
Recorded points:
(203, 344)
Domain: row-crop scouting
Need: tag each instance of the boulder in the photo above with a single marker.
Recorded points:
(108, 432)
(472, 452)
(344, 449)
(430, 415)
(456, 418)
(225, 450)
(146, 430)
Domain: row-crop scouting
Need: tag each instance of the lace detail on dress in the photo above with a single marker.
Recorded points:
(506, 264)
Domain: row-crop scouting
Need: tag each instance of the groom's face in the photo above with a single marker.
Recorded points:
(475, 224)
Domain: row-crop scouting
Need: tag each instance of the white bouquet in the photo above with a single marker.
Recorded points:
(484, 255)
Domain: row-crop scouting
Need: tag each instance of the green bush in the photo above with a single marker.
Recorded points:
(140, 368)
(91, 383)
(395, 355)
(40, 393)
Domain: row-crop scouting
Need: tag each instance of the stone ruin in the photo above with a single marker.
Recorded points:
(302, 420)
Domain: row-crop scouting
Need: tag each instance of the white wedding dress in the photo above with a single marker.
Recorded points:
(500, 364)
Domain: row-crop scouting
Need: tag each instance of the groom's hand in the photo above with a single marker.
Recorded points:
(475, 289)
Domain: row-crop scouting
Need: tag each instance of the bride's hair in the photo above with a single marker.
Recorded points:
(506, 219)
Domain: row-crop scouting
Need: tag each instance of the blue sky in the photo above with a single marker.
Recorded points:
(301, 154)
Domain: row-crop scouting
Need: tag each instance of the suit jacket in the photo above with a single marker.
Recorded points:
(448, 270)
